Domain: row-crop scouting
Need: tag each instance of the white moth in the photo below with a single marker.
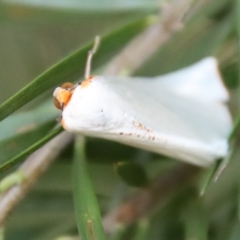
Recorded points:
(181, 114)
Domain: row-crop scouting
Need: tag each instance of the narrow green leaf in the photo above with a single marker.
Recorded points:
(15, 145)
(208, 178)
(25, 121)
(223, 164)
(72, 66)
(20, 157)
(217, 169)
(86, 206)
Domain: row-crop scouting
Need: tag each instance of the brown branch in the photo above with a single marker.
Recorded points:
(144, 201)
(142, 47)
(33, 167)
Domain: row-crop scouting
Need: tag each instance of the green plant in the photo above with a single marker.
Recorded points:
(170, 206)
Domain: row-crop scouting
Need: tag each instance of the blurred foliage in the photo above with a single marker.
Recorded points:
(37, 34)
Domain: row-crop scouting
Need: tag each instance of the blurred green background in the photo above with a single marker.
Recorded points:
(34, 35)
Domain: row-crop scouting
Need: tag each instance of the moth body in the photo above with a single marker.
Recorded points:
(182, 114)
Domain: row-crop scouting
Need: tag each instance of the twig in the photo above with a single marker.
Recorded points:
(90, 55)
(141, 48)
(32, 168)
(145, 200)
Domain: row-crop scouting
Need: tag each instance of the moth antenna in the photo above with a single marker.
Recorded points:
(90, 55)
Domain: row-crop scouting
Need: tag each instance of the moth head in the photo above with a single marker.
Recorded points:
(63, 94)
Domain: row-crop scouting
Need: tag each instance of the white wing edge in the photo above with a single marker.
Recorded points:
(193, 152)
(201, 80)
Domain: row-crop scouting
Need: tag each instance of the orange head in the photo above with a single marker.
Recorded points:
(63, 94)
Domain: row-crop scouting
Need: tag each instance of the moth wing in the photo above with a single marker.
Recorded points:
(201, 80)
(188, 126)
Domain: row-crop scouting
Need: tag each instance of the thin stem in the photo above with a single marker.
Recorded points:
(90, 55)
(145, 45)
